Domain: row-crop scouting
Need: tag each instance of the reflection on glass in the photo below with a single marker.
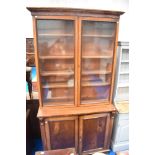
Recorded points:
(56, 60)
(97, 55)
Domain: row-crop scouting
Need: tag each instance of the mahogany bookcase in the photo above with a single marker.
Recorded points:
(75, 55)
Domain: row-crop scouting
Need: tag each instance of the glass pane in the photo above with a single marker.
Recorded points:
(124, 78)
(62, 134)
(124, 67)
(123, 93)
(94, 133)
(56, 60)
(125, 54)
(97, 55)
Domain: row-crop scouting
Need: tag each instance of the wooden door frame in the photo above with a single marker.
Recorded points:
(109, 101)
(93, 116)
(66, 118)
(39, 84)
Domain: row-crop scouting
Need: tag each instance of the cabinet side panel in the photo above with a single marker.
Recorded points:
(36, 59)
(114, 62)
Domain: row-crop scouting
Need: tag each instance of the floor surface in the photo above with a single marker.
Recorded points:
(38, 147)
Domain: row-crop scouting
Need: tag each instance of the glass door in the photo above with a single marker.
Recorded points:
(56, 48)
(97, 44)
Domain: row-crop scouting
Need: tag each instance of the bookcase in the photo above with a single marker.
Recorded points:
(120, 135)
(121, 91)
(75, 55)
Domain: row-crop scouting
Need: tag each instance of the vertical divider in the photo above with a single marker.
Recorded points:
(76, 63)
(79, 62)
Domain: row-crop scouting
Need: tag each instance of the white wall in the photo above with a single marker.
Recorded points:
(119, 5)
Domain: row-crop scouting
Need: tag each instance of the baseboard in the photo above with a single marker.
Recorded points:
(119, 146)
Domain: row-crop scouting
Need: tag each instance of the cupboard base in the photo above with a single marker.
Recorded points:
(87, 133)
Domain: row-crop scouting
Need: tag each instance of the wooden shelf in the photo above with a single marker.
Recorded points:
(49, 73)
(54, 103)
(97, 56)
(29, 53)
(49, 111)
(62, 98)
(57, 57)
(95, 84)
(57, 85)
(96, 72)
(93, 101)
(98, 35)
(55, 35)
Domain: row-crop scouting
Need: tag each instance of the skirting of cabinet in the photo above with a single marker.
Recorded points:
(120, 146)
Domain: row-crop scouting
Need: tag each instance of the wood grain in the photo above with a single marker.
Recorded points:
(47, 11)
(62, 115)
(58, 111)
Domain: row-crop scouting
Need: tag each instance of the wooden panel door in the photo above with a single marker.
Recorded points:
(97, 46)
(94, 133)
(56, 59)
(61, 132)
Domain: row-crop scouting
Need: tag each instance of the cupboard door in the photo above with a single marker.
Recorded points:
(94, 132)
(61, 132)
(56, 54)
(97, 46)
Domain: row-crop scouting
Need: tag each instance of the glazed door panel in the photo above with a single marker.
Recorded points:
(93, 132)
(56, 55)
(61, 132)
(97, 46)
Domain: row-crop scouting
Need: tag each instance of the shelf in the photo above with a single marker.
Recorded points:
(57, 57)
(57, 85)
(51, 102)
(97, 56)
(96, 72)
(124, 72)
(62, 98)
(93, 101)
(98, 35)
(29, 53)
(124, 61)
(47, 111)
(95, 84)
(123, 85)
(49, 73)
(122, 107)
(55, 35)
(121, 97)
(84, 84)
